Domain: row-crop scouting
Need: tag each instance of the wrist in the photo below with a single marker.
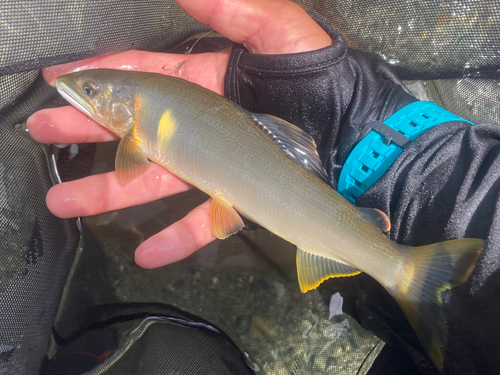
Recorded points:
(382, 142)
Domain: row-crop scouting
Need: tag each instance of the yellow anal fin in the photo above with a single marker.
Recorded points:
(313, 269)
(130, 162)
(224, 219)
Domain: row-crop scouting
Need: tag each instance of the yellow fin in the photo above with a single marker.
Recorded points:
(313, 269)
(375, 217)
(224, 219)
(427, 272)
(130, 162)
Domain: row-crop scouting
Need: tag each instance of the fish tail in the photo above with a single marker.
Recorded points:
(428, 271)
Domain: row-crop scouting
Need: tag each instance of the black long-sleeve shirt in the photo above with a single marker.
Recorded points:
(444, 185)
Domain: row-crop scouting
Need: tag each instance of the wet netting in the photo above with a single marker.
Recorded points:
(73, 301)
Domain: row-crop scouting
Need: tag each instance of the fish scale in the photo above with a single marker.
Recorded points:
(250, 154)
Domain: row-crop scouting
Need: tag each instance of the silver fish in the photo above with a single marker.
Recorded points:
(268, 170)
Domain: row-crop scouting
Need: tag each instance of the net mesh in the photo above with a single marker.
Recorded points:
(37, 250)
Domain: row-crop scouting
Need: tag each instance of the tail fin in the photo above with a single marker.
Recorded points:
(428, 271)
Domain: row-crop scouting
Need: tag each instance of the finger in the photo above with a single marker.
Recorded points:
(178, 241)
(263, 26)
(102, 193)
(207, 69)
(66, 125)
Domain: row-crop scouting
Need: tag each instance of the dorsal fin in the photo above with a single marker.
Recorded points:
(296, 144)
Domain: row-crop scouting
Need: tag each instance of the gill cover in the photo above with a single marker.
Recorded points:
(102, 94)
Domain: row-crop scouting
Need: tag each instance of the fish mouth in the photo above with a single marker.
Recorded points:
(73, 98)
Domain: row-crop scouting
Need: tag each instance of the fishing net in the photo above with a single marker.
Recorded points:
(71, 297)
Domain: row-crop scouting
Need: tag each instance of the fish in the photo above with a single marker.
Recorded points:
(267, 170)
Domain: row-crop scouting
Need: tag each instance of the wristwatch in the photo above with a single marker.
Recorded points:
(382, 142)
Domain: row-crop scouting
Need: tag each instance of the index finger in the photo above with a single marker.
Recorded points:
(66, 125)
(205, 69)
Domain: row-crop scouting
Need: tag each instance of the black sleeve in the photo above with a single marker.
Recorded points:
(444, 185)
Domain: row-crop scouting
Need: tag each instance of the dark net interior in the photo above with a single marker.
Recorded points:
(74, 301)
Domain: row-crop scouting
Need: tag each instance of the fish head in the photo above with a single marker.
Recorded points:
(105, 95)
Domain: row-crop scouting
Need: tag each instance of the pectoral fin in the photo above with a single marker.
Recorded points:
(224, 219)
(130, 162)
(313, 269)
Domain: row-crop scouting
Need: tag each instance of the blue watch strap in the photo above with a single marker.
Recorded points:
(383, 142)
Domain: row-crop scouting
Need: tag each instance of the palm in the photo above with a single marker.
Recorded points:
(263, 26)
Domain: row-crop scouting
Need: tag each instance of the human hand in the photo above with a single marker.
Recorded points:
(263, 26)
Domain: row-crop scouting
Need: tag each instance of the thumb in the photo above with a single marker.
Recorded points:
(262, 26)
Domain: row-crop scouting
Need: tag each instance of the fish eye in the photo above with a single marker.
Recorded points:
(90, 88)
